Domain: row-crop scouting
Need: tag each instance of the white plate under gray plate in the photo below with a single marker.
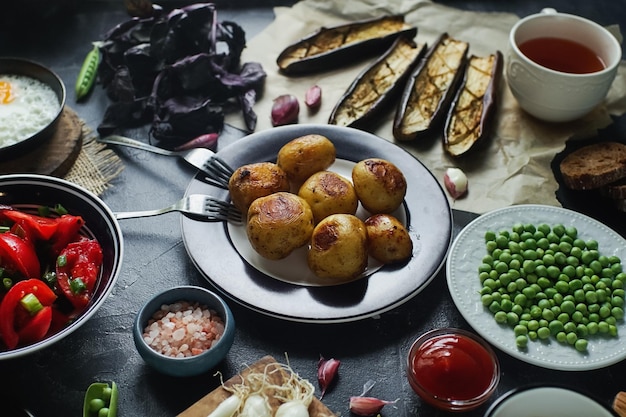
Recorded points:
(224, 258)
(466, 255)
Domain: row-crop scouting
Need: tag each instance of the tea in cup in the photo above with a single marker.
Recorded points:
(560, 66)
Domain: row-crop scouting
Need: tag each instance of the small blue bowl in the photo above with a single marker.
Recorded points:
(193, 365)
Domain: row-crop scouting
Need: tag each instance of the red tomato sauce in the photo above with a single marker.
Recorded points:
(452, 367)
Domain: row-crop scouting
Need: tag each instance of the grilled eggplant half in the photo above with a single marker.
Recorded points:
(332, 47)
(377, 85)
(475, 105)
(430, 89)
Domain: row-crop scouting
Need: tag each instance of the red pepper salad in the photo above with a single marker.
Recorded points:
(48, 271)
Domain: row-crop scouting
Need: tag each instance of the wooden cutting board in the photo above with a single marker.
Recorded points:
(205, 405)
(52, 157)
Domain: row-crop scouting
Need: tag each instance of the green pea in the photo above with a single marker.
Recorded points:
(555, 327)
(521, 341)
(486, 299)
(595, 266)
(562, 287)
(490, 236)
(502, 241)
(106, 393)
(571, 338)
(96, 404)
(543, 333)
(103, 412)
(591, 297)
(581, 345)
(500, 317)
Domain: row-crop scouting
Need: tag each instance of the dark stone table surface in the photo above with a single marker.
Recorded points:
(52, 382)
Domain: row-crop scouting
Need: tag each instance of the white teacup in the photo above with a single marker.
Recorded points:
(556, 95)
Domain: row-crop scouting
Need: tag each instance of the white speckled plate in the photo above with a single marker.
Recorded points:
(466, 255)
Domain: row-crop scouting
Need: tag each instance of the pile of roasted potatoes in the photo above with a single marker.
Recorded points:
(437, 89)
(299, 201)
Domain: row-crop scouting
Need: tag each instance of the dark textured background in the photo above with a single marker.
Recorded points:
(53, 382)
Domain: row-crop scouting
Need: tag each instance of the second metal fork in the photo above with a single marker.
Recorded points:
(201, 206)
(218, 171)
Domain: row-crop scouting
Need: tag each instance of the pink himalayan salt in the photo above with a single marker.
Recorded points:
(183, 329)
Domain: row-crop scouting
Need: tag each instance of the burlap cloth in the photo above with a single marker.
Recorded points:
(96, 165)
(513, 169)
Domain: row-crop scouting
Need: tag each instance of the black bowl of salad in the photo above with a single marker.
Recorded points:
(61, 250)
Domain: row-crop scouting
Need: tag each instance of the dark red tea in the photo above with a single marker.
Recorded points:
(562, 55)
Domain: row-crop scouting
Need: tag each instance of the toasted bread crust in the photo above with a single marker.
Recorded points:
(616, 190)
(594, 166)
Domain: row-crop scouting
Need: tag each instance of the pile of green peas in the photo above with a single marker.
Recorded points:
(546, 282)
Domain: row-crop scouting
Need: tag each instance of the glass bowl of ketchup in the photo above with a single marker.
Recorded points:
(452, 369)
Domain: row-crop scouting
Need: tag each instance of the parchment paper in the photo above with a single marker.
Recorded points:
(515, 166)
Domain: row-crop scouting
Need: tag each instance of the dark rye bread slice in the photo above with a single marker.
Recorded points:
(594, 166)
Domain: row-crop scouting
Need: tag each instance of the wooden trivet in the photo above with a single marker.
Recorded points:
(53, 157)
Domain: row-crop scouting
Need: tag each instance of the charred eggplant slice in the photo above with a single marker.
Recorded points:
(377, 85)
(330, 48)
(474, 107)
(430, 89)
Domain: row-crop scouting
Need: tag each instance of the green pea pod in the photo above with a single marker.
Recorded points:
(88, 73)
(100, 396)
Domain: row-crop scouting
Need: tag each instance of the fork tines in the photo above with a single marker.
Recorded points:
(222, 210)
(220, 172)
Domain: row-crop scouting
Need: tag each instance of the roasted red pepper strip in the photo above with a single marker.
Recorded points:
(80, 261)
(41, 228)
(18, 255)
(67, 232)
(10, 303)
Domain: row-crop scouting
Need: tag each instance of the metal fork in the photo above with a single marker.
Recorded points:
(202, 206)
(218, 171)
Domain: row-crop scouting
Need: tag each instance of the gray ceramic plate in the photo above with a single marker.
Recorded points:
(426, 213)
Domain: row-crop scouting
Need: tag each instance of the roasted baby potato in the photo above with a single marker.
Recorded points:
(389, 241)
(252, 181)
(378, 85)
(302, 157)
(338, 250)
(278, 224)
(332, 47)
(329, 193)
(474, 107)
(430, 89)
(379, 184)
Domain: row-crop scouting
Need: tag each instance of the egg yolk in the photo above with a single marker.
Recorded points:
(6, 93)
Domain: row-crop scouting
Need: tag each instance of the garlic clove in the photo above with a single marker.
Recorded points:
(313, 97)
(367, 406)
(456, 182)
(285, 110)
(326, 371)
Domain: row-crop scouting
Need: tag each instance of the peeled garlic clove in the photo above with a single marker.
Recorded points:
(455, 181)
(285, 110)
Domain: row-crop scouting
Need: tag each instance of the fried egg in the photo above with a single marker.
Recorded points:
(27, 105)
